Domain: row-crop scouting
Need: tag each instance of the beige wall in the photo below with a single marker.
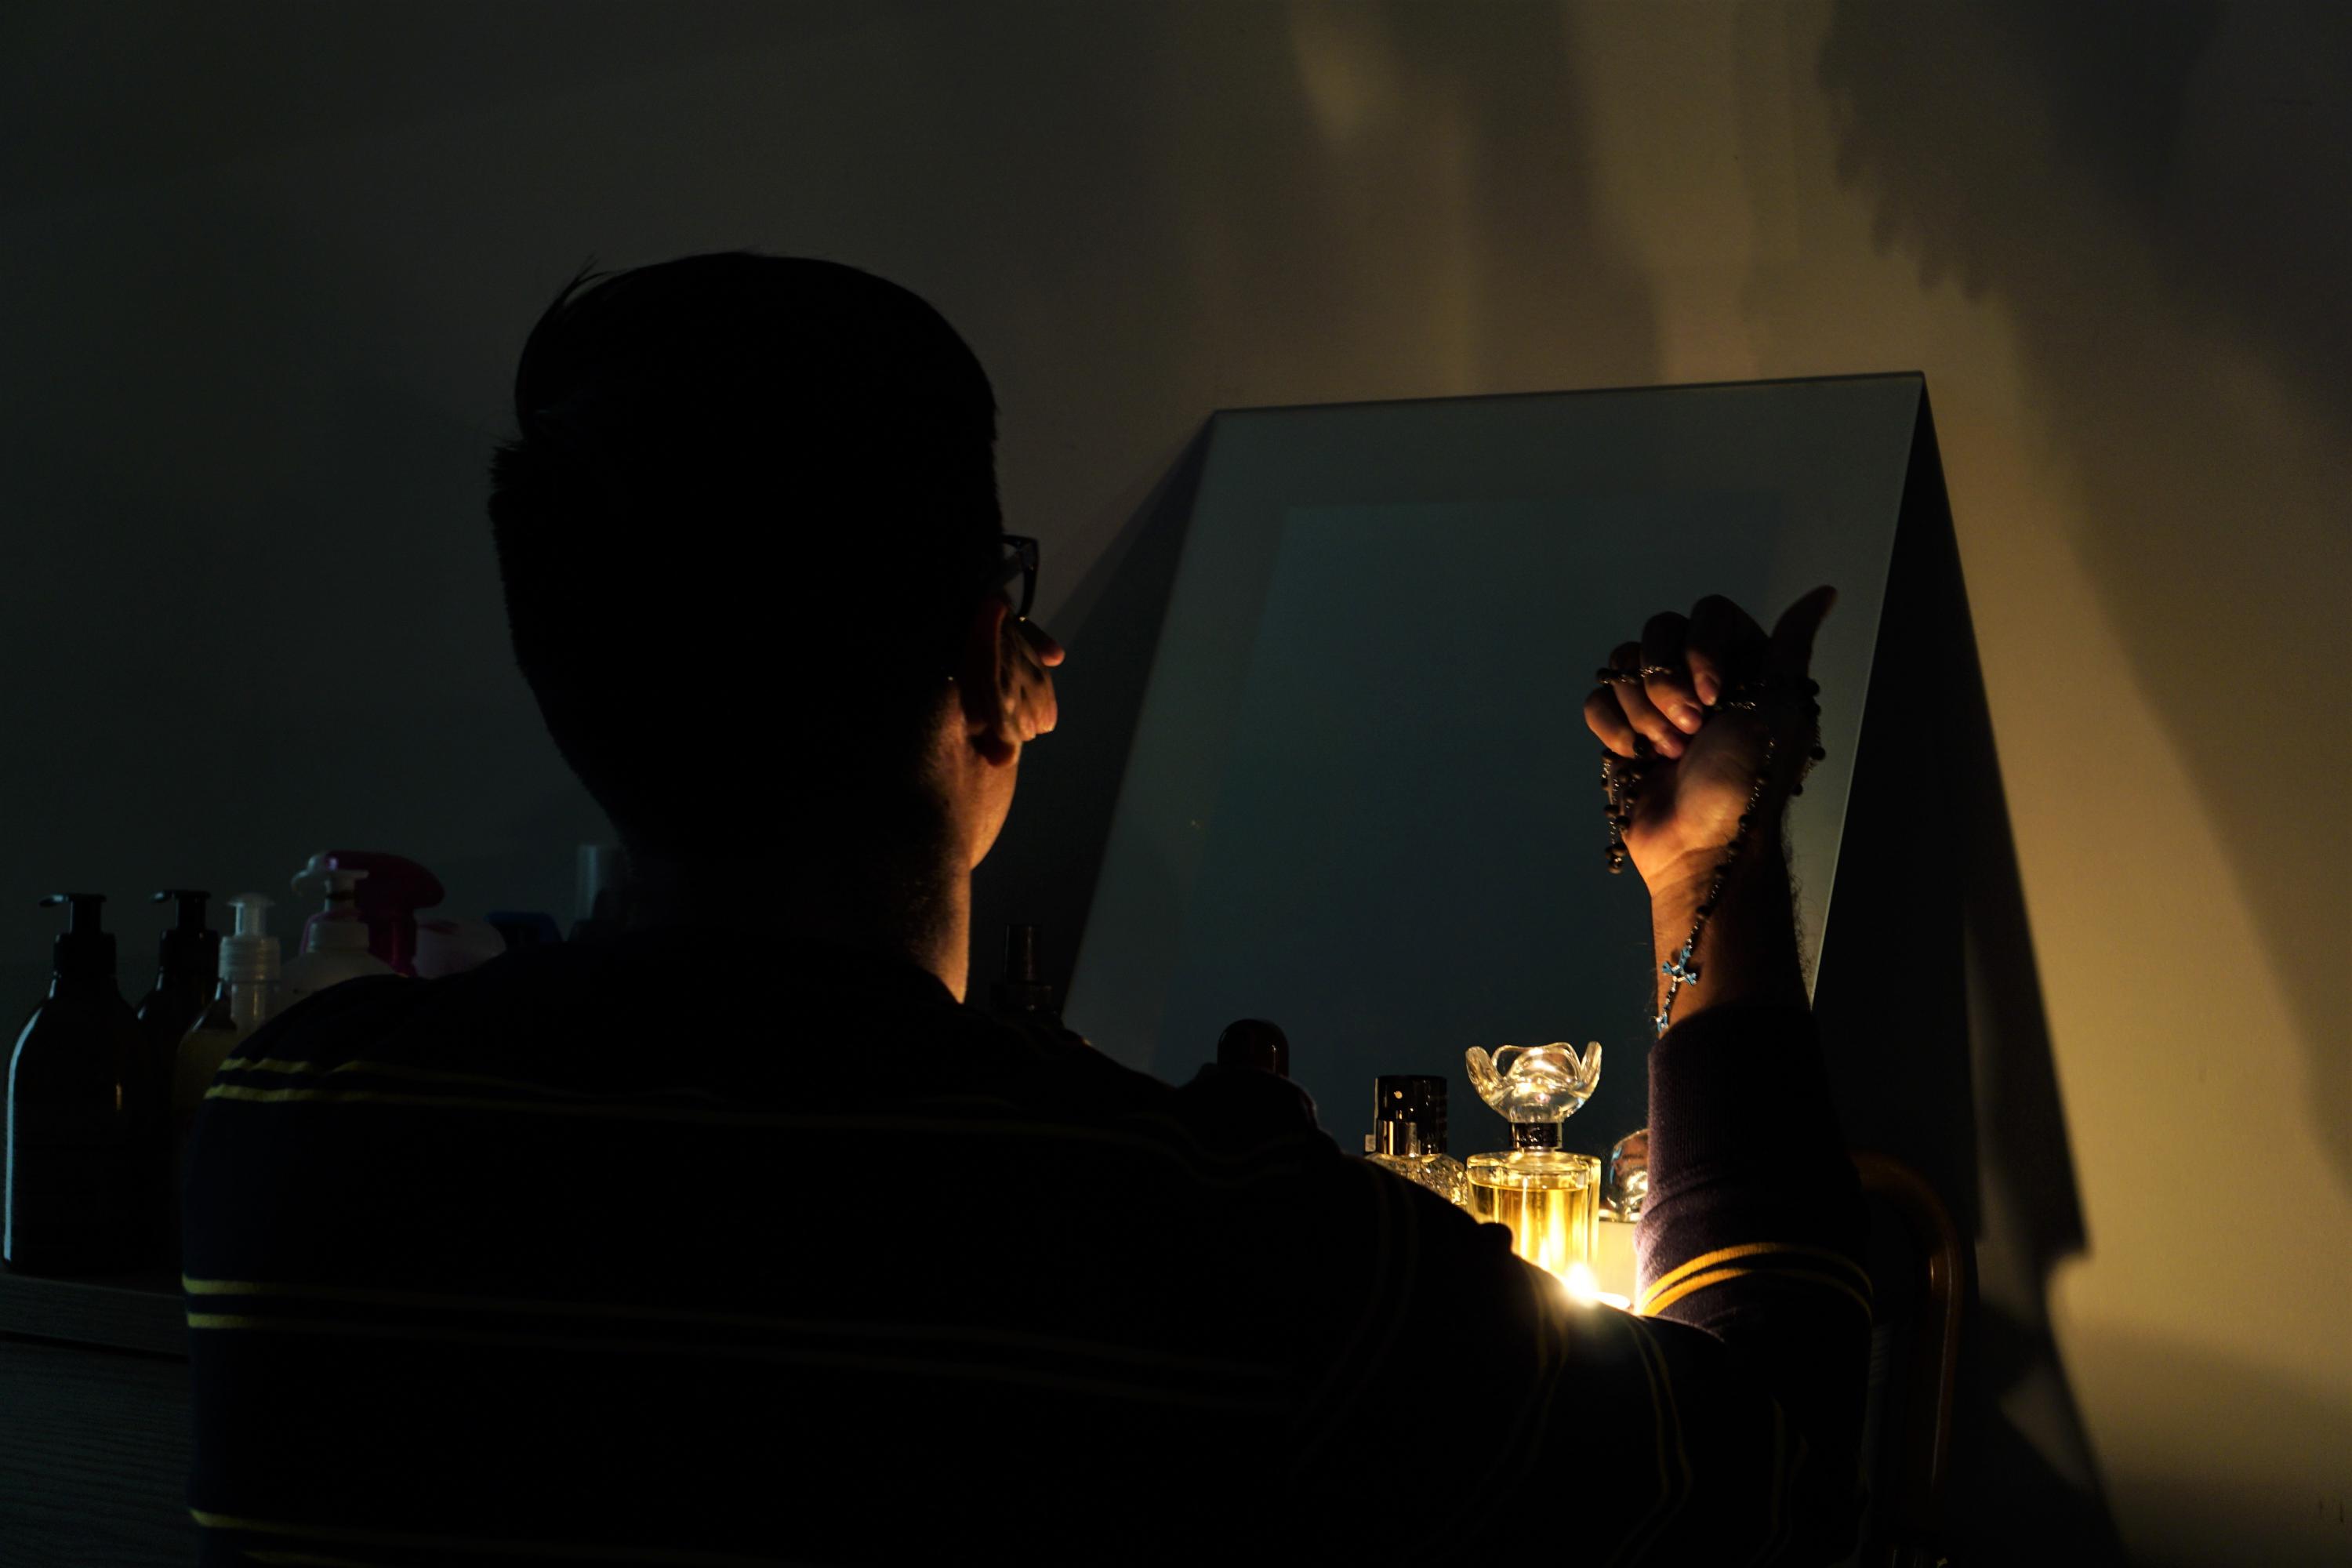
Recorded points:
(263, 276)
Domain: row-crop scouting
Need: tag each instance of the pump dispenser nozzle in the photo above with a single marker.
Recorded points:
(82, 950)
(77, 906)
(340, 925)
(190, 950)
(249, 953)
(397, 888)
(190, 915)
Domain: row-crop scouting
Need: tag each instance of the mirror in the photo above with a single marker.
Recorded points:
(1362, 800)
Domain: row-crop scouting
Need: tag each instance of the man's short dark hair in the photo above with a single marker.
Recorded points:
(751, 501)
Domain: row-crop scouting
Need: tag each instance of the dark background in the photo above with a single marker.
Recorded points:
(266, 273)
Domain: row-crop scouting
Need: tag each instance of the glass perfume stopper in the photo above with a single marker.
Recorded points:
(1545, 1083)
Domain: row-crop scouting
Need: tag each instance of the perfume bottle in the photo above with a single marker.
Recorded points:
(1257, 1044)
(1628, 1177)
(1020, 993)
(1407, 1135)
(1547, 1198)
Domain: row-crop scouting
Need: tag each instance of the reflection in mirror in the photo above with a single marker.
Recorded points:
(1362, 802)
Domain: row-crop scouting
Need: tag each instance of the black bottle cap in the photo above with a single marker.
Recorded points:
(83, 950)
(1254, 1043)
(1411, 1100)
(190, 915)
(188, 945)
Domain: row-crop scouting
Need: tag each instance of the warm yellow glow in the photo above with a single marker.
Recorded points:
(1549, 1203)
(1583, 1287)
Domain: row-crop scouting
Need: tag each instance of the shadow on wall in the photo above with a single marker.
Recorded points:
(1933, 1009)
(2035, 152)
(1042, 870)
(1404, 134)
(1379, 201)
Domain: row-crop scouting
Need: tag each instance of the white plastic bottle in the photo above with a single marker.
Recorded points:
(335, 939)
(248, 998)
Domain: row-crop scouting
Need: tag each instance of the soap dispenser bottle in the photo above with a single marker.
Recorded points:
(335, 939)
(76, 1100)
(1408, 1134)
(186, 963)
(1549, 1198)
(247, 999)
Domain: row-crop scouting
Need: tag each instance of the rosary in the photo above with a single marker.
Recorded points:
(1621, 780)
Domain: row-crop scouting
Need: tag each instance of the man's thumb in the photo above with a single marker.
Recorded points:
(1792, 635)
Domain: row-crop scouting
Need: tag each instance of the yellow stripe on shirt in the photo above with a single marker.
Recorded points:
(1645, 1302)
(1656, 1304)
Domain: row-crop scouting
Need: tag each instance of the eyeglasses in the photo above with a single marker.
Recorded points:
(1021, 563)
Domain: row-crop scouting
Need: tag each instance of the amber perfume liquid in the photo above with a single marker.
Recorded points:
(1550, 1200)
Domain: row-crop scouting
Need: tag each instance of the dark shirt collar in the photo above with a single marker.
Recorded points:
(827, 968)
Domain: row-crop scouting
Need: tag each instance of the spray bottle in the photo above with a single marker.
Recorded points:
(396, 889)
(74, 1106)
(335, 939)
(247, 999)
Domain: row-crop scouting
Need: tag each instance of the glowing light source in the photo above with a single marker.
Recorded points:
(1583, 1287)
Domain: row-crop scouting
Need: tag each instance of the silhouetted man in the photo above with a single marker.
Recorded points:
(736, 1239)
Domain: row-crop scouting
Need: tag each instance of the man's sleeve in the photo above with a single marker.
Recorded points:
(1754, 1228)
(1472, 1407)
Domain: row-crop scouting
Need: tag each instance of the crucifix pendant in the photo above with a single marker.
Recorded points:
(1680, 969)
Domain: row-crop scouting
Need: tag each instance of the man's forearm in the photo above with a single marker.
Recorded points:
(1753, 1227)
(1747, 951)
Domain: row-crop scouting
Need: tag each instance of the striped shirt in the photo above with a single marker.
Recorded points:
(589, 1256)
